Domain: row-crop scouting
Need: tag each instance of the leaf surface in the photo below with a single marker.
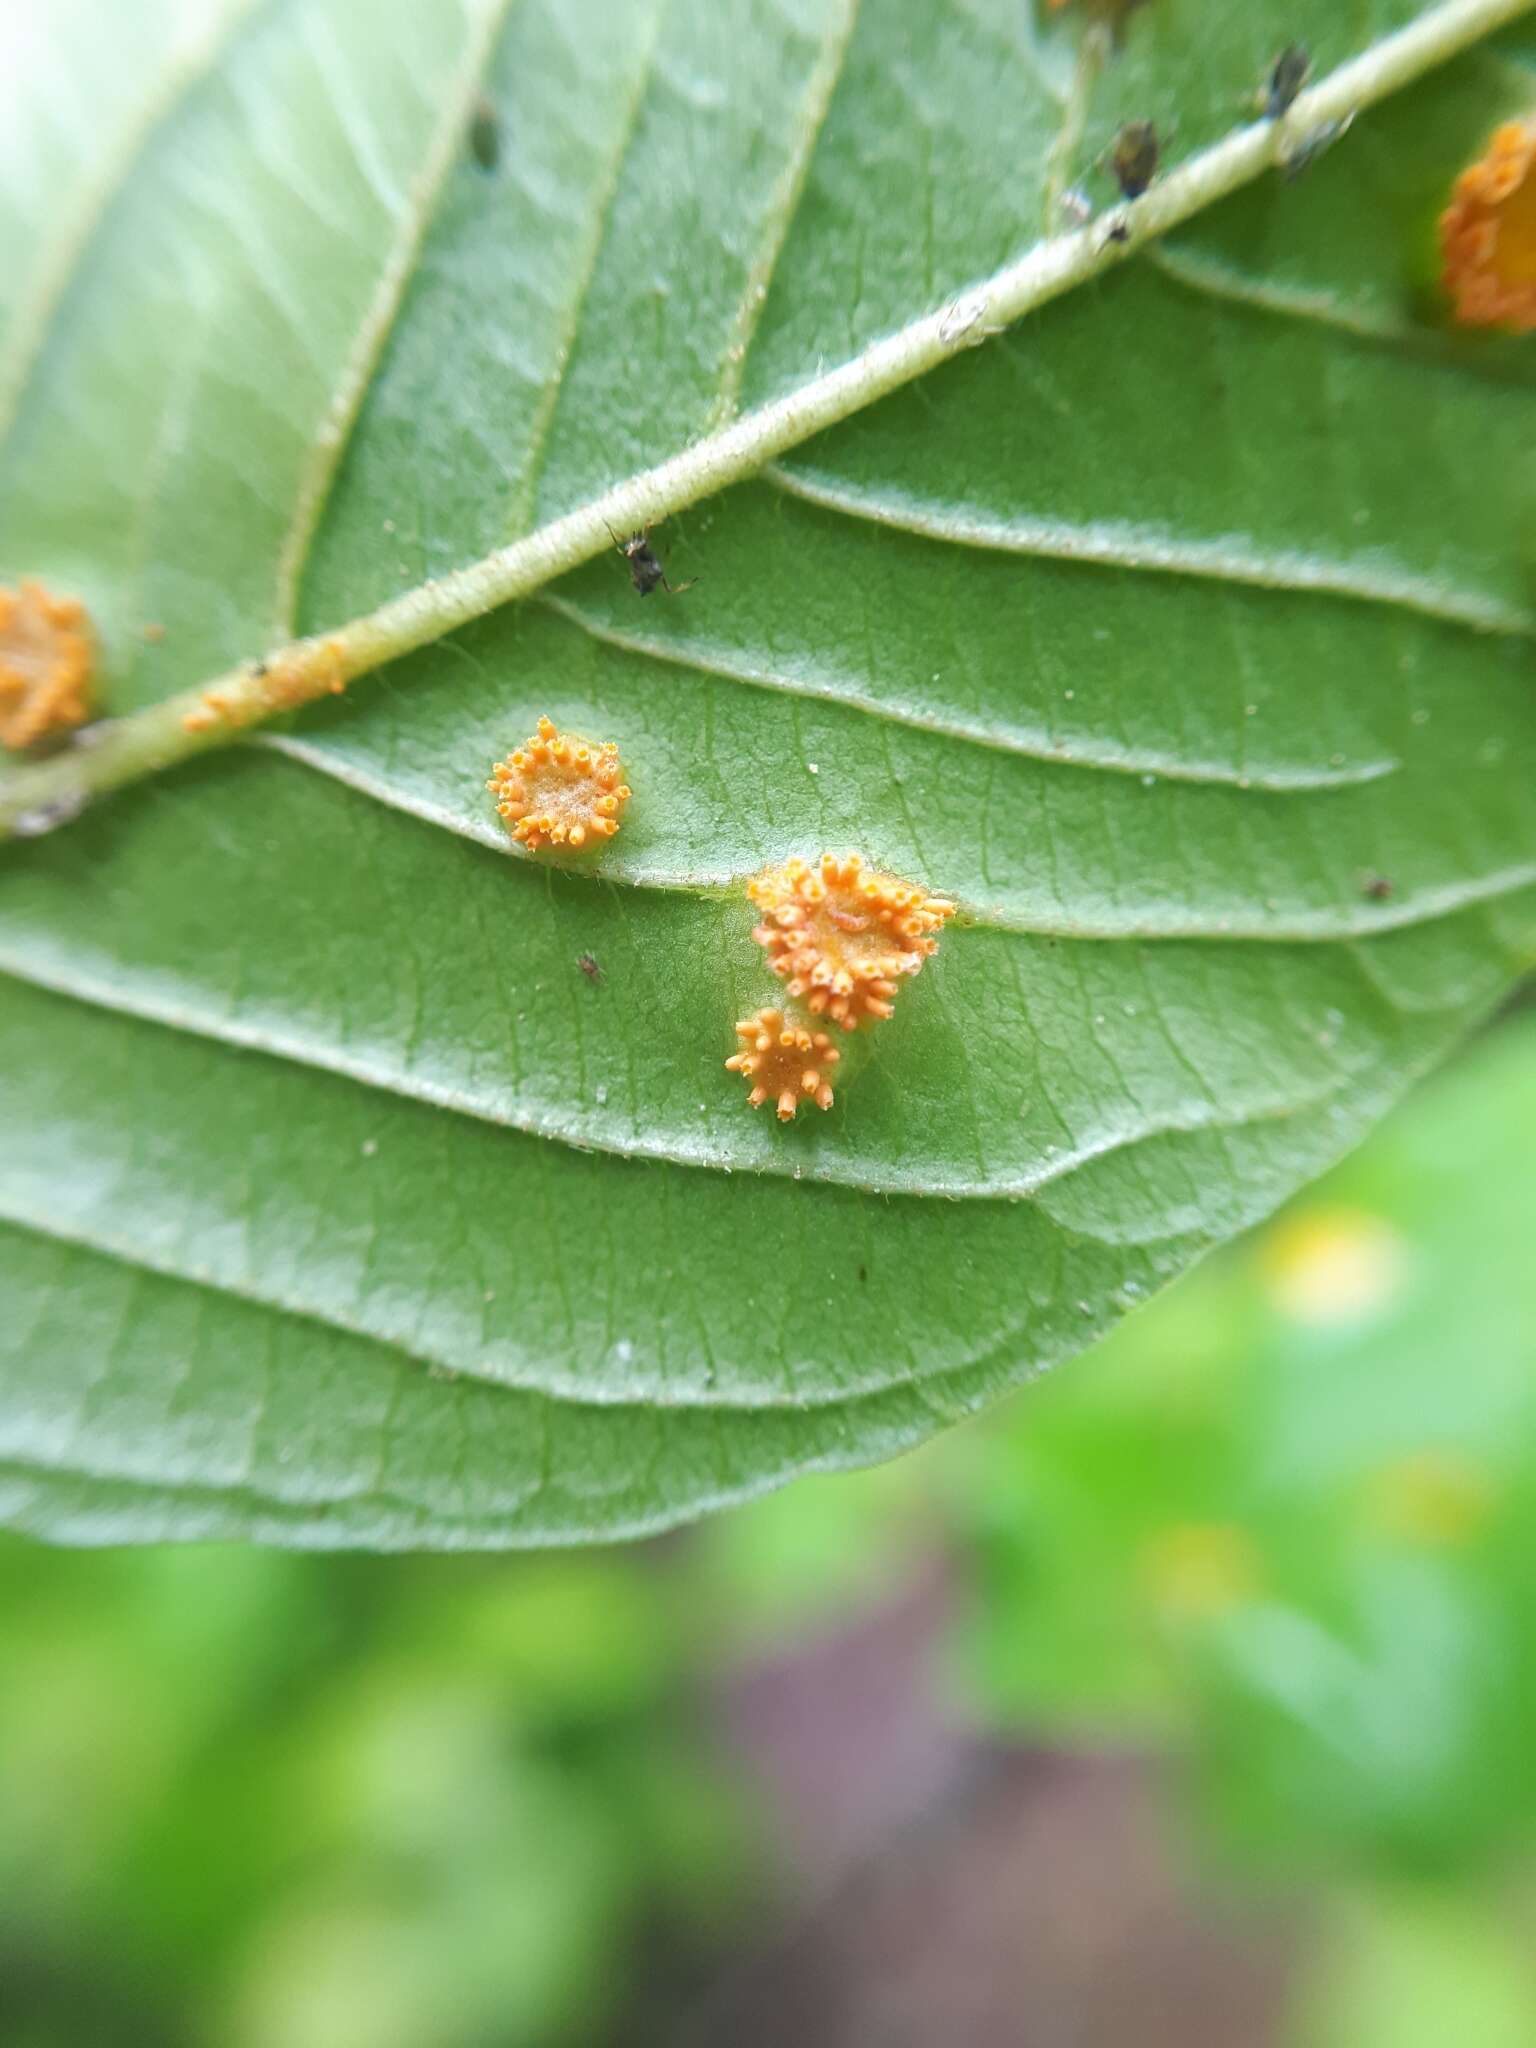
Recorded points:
(1182, 633)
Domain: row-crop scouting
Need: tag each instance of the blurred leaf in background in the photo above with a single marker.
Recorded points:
(1290, 1513)
(249, 1798)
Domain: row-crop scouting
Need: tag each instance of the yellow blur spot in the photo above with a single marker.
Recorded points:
(1334, 1266)
(1198, 1570)
(1432, 1499)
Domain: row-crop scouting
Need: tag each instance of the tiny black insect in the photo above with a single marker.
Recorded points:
(1287, 76)
(645, 571)
(485, 135)
(1133, 158)
(589, 968)
(863, 1273)
(258, 669)
(1304, 154)
(1377, 887)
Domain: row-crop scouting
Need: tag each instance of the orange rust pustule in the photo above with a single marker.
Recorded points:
(841, 936)
(46, 661)
(284, 683)
(215, 707)
(1488, 234)
(558, 789)
(786, 1063)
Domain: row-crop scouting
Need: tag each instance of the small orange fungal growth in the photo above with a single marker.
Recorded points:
(784, 1061)
(45, 664)
(560, 790)
(212, 709)
(841, 936)
(1488, 234)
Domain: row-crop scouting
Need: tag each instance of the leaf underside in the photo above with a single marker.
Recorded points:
(1183, 634)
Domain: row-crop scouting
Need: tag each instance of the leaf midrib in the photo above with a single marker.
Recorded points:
(156, 738)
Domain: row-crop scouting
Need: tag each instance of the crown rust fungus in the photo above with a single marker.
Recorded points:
(558, 789)
(1488, 234)
(46, 660)
(841, 936)
(282, 683)
(784, 1061)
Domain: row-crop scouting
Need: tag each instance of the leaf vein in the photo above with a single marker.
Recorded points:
(783, 210)
(1123, 544)
(293, 1049)
(524, 497)
(413, 212)
(1028, 744)
(39, 303)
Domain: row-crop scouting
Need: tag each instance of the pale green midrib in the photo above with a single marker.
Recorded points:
(311, 1055)
(46, 795)
(1128, 761)
(38, 308)
(382, 313)
(1124, 545)
(1363, 920)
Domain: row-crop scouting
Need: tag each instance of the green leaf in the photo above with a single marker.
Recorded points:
(339, 1205)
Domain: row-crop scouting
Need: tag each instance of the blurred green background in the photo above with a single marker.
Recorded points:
(1190, 1696)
